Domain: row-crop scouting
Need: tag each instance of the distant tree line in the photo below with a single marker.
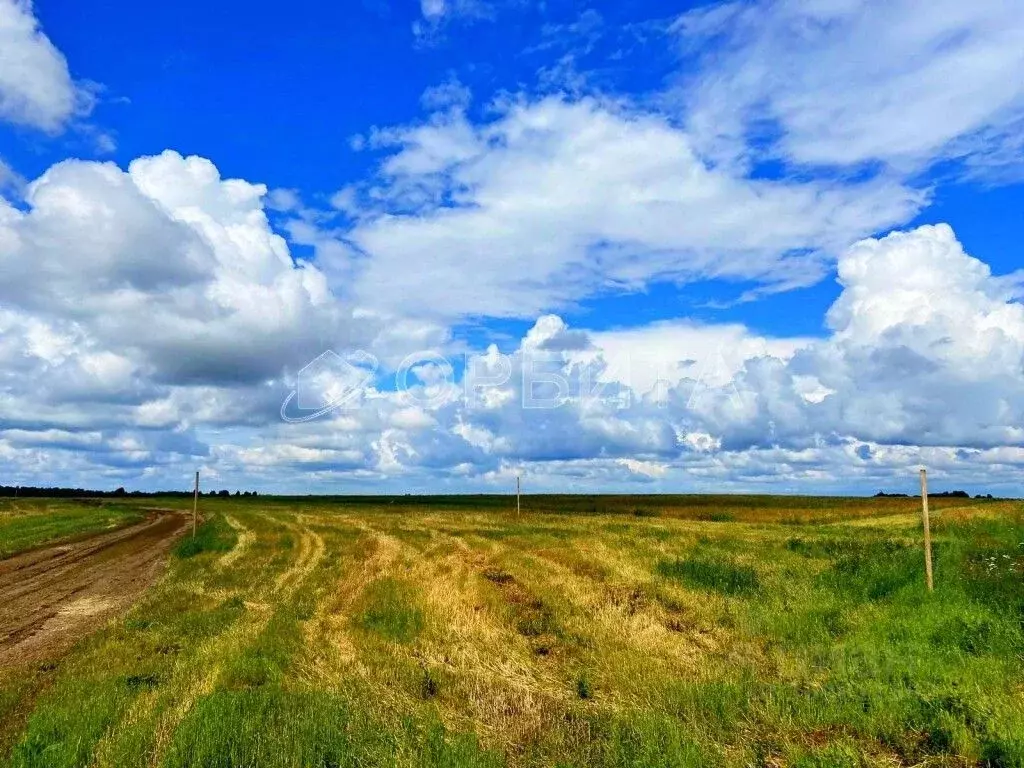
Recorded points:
(941, 495)
(31, 491)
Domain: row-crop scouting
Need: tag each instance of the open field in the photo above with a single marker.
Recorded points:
(606, 631)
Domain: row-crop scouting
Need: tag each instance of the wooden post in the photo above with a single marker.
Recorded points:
(517, 496)
(195, 505)
(927, 530)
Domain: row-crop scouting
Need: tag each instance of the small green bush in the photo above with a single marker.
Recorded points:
(214, 535)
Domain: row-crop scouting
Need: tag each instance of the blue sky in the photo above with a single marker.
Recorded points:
(789, 230)
(275, 95)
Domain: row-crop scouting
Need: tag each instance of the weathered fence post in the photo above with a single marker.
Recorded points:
(195, 505)
(927, 530)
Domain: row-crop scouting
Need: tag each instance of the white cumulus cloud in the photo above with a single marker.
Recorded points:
(841, 82)
(36, 88)
(555, 201)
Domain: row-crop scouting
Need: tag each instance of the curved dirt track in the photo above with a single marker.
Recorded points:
(51, 597)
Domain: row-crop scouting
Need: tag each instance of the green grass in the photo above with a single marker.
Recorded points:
(275, 728)
(390, 610)
(62, 735)
(747, 632)
(711, 572)
(32, 523)
(214, 535)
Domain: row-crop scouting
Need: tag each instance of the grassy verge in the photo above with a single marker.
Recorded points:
(33, 523)
(214, 535)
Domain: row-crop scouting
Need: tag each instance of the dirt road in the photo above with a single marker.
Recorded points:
(51, 597)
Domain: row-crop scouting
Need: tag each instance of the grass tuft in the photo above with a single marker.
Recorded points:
(584, 688)
(389, 609)
(715, 573)
(274, 728)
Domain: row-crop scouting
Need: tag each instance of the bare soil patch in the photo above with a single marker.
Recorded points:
(53, 596)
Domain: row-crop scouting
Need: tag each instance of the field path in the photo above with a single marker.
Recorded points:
(203, 675)
(51, 597)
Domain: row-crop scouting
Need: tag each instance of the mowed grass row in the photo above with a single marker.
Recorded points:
(302, 634)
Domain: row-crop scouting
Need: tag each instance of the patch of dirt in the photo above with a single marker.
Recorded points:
(53, 596)
(532, 617)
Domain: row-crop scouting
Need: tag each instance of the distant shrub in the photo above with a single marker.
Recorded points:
(644, 512)
(717, 517)
(719, 574)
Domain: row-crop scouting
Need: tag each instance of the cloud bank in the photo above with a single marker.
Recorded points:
(153, 319)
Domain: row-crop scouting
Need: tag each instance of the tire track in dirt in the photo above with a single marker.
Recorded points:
(51, 597)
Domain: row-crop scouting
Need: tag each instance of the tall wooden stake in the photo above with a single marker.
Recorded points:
(927, 530)
(517, 495)
(195, 505)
